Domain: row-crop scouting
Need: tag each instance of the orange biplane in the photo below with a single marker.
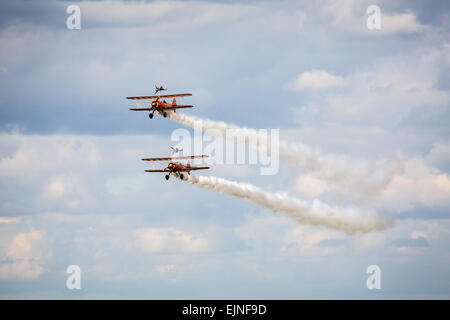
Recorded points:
(160, 106)
(176, 168)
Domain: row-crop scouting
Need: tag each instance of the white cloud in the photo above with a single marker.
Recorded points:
(311, 186)
(154, 240)
(308, 241)
(233, 171)
(174, 17)
(402, 23)
(27, 252)
(369, 241)
(264, 232)
(20, 270)
(418, 234)
(419, 185)
(165, 267)
(317, 80)
(9, 220)
(383, 94)
(62, 185)
(439, 156)
(351, 16)
(342, 11)
(167, 15)
(278, 234)
(21, 246)
(123, 185)
(74, 173)
(37, 154)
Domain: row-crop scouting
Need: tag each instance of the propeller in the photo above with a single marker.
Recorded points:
(154, 103)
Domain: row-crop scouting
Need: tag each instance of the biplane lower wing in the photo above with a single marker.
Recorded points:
(168, 108)
(178, 107)
(141, 109)
(179, 95)
(192, 169)
(180, 170)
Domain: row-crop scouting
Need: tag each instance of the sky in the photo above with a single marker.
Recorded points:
(372, 108)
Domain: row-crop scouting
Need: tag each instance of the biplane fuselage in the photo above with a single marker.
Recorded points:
(162, 107)
(177, 169)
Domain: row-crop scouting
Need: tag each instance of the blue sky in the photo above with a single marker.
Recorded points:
(73, 190)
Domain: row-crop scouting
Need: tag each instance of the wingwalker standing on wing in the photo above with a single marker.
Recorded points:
(160, 106)
(176, 168)
(176, 150)
(161, 88)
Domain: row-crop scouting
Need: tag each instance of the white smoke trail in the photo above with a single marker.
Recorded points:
(339, 172)
(315, 213)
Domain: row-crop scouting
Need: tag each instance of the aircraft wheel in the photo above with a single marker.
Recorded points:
(150, 115)
(167, 177)
(181, 176)
(165, 114)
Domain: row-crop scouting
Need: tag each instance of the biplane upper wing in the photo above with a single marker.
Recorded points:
(161, 96)
(178, 106)
(157, 170)
(174, 158)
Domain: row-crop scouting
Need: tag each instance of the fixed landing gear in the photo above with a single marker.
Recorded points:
(181, 176)
(165, 114)
(150, 115)
(167, 177)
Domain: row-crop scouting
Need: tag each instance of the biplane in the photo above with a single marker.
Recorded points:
(160, 106)
(175, 168)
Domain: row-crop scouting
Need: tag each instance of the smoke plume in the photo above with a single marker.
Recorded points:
(338, 172)
(316, 213)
